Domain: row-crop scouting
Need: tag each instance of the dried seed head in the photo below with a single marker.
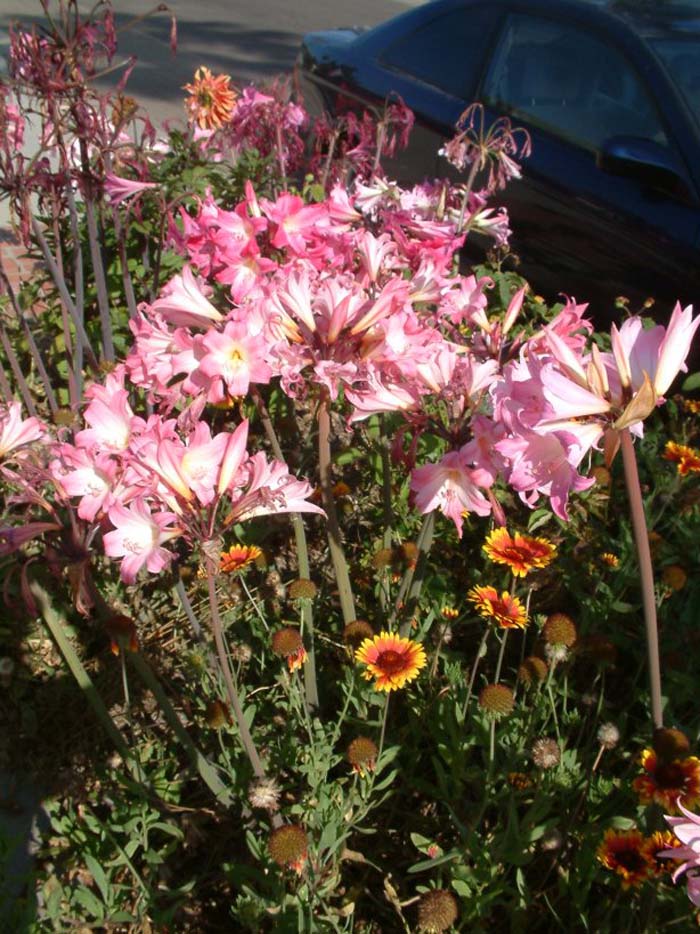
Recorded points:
(546, 753)
(286, 641)
(289, 846)
(362, 754)
(356, 632)
(532, 669)
(241, 652)
(608, 735)
(264, 793)
(437, 911)
(670, 744)
(302, 589)
(216, 714)
(559, 629)
(382, 558)
(497, 700)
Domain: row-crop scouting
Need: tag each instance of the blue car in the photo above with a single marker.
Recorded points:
(609, 201)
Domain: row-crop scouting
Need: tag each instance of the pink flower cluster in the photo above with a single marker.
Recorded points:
(359, 294)
(157, 479)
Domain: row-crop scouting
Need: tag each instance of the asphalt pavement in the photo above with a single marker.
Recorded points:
(251, 41)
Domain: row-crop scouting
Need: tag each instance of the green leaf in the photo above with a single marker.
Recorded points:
(98, 874)
(438, 861)
(691, 382)
(90, 902)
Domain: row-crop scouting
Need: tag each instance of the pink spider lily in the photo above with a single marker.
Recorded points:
(452, 487)
(16, 432)
(138, 538)
(119, 189)
(183, 303)
(687, 830)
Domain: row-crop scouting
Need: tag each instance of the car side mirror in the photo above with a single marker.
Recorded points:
(646, 161)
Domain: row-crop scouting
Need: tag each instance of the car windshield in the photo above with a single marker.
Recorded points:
(682, 59)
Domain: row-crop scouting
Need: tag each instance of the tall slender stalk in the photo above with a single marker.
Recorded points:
(335, 543)
(646, 572)
(303, 563)
(412, 583)
(217, 630)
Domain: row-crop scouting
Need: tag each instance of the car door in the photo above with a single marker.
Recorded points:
(577, 228)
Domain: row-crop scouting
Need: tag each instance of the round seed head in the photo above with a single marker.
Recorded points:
(302, 589)
(286, 641)
(288, 846)
(674, 576)
(264, 793)
(608, 735)
(559, 630)
(546, 753)
(362, 754)
(497, 699)
(532, 670)
(437, 911)
(216, 714)
(356, 632)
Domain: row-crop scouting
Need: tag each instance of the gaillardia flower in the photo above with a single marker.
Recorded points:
(664, 781)
(686, 458)
(289, 847)
(238, 557)
(505, 610)
(211, 101)
(522, 553)
(624, 852)
(391, 660)
(362, 755)
(287, 643)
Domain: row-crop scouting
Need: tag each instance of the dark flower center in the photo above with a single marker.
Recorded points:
(670, 776)
(391, 662)
(631, 860)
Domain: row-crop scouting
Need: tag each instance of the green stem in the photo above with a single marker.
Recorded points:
(303, 563)
(472, 675)
(217, 630)
(641, 539)
(340, 565)
(412, 583)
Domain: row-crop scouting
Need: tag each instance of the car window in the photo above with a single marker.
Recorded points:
(568, 81)
(682, 59)
(447, 51)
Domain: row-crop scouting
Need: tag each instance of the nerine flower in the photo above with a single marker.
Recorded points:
(15, 432)
(138, 538)
(687, 831)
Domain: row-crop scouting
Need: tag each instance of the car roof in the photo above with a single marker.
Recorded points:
(646, 18)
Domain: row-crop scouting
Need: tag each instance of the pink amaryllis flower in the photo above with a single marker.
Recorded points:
(138, 538)
(452, 487)
(120, 189)
(184, 304)
(687, 830)
(15, 431)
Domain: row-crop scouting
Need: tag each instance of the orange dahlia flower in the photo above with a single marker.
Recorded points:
(211, 101)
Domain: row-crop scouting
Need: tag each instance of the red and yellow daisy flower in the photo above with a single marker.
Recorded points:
(505, 610)
(211, 101)
(664, 781)
(122, 633)
(623, 852)
(687, 459)
(692, 406)
(610, 559)
(238, 557)
(522, 553)
(658, 841)
(391, 660)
